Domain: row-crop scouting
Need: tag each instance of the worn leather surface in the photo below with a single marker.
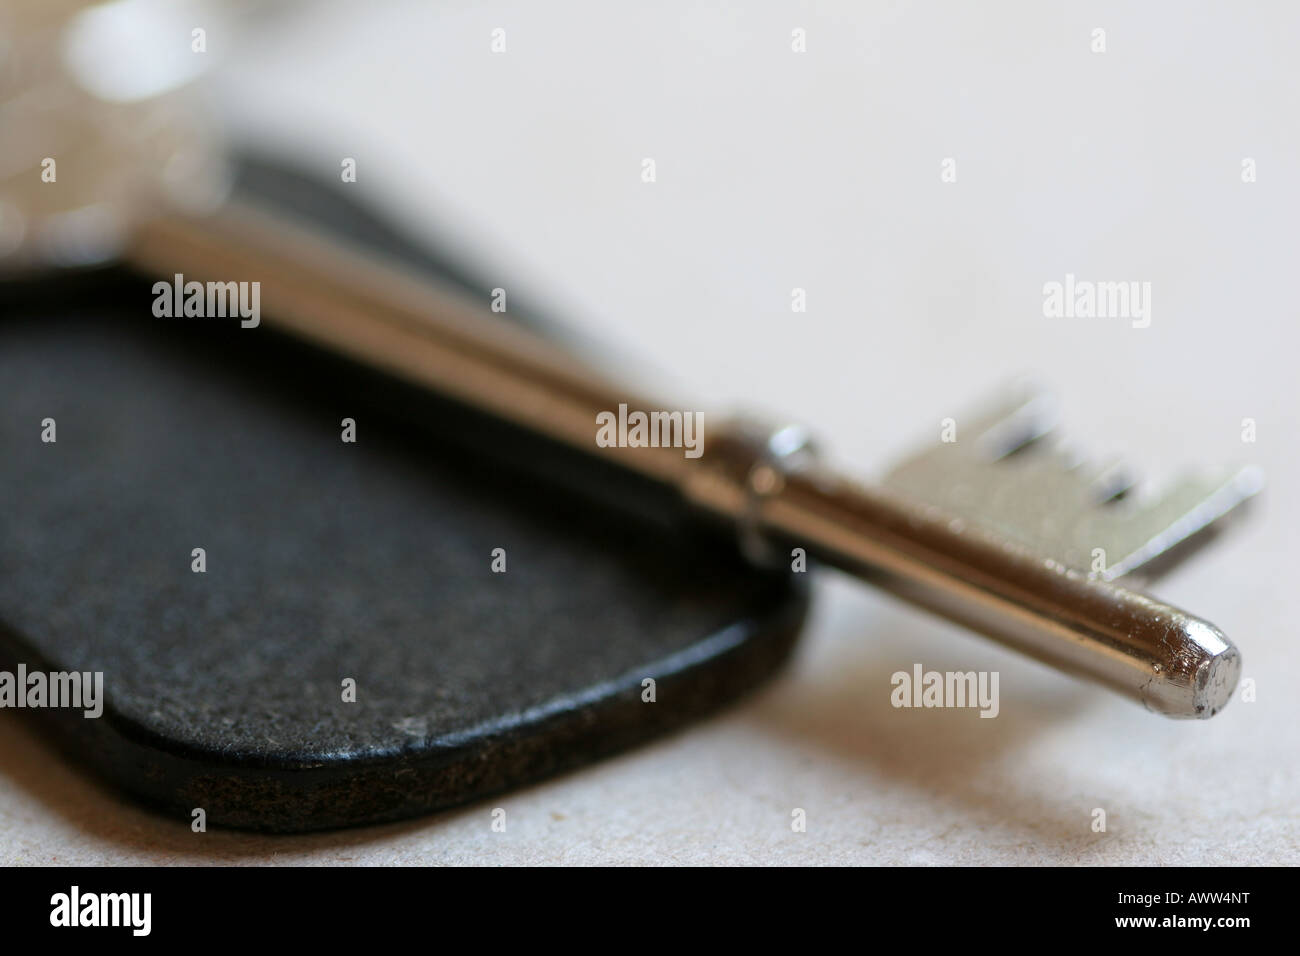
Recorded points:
(329, 560)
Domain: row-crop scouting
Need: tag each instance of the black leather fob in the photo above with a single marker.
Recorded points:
(348, 653)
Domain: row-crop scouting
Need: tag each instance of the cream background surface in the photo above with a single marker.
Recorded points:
(820, 170)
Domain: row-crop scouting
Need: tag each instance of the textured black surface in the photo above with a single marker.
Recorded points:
(328, 560)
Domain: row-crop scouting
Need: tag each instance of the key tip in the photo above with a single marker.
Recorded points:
(1216, 681)
(1201, 676)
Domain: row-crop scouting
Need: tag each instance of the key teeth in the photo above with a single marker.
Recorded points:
(1177, 517)
(1056, 505)
(1111, 483)
(1016, 421)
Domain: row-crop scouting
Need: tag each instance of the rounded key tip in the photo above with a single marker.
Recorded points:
(1216, 681)
(1199, 677)
(1198, 673)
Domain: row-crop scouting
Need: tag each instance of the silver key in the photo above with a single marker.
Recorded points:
(998, 531)
(995, 532)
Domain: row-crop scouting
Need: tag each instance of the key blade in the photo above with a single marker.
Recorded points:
(1006, 472)
(1134, 537)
